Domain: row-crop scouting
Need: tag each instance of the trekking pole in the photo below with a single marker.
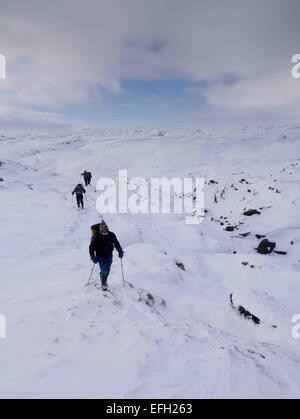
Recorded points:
(91, 274)
(122, 272)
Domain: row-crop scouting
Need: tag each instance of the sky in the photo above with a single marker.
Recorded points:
(142, 63)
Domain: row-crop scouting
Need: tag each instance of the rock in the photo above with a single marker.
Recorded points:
(245, 234)
(243, 312)
(180, 265)
(265, 247)
(229, 228)
(250, 212)
(259, 236)
(1, 179)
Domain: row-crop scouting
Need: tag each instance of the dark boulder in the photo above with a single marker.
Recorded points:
(180, 265)
(229, 228)
(265, 247)
(250, 212)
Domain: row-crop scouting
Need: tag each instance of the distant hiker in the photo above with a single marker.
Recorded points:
(101, 251)
(87, 176)
(79, 191)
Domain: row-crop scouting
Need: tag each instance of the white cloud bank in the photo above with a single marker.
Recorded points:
(61, 53)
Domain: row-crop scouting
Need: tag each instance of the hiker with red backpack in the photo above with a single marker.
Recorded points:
(87, 176)
(79, 191)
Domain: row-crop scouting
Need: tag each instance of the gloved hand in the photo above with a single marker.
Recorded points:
(94, 259)
(121, 254)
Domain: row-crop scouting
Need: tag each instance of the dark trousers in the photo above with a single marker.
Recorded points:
(79, 199)
(87, 181)
(104, 265)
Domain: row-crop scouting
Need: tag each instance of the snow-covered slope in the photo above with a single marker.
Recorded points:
(169, 332)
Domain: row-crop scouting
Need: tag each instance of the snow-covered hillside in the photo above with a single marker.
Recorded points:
(170, 332)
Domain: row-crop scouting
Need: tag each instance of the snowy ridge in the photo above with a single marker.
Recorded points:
(171, 331)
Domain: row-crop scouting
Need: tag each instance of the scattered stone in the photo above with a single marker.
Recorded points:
(259, 236)
(229, 228)
(1, 179)
(245, 234)
(180, 265)
(250, 212)
(243, 312)
(265, 247)
(279, 252)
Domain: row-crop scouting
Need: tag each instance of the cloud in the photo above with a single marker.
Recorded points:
(275, 93)
(62, 53)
